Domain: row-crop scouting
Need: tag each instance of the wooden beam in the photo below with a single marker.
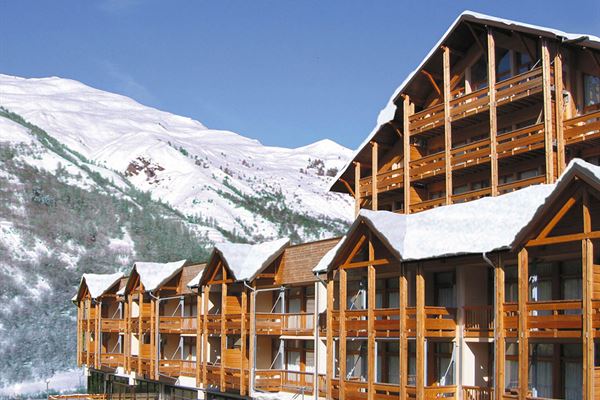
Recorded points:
(493, 116)
(403, 356)
(447, 126)
(499, 333)
(205, 297)
(342, 338)
(573, 237)
(252, 365)
(406, 149)
(198, 338)
(223, 332)
(523, 277)
(244, 348)
(558, 216)
(347, 186)
(433, 83)
(559, 112)
(587, 252)
(548, 131)
(356, 188)
(362, 264)
(420, 342)
(330, 355)
(476, 37)
(371, 356)
(374, 171)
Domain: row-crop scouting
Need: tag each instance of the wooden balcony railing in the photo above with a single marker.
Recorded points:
(520, 184)
(440, 321)
(511, 319)
(176, 368)
(470, 154)
(427, 166)
(479, 321)
(520, 141)
(554, 319)
(355, 389)
(213, 375)
(386, 181)
(213, 322)
(112, 325)
(284, 381)
(582, 128)
(478, 393)
(233, 323)
(356, 322)
(78, 396)
(471, 195)
(433, 392)
(427, 204)
(386, 391)
(177, 324)
(112, 360)
(284, 323)
(387, 322)
(466, 105)
(596, 319)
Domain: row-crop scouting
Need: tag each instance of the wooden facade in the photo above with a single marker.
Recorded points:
(495, 108)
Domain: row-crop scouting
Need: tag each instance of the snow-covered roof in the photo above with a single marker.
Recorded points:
(195, 281)
(479, 226)
(152, 275)
(98, 284)
(245, 261)
(387, 113)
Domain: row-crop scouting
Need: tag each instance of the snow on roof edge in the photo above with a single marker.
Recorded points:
(152, 275)
(98, 284)
(245, 261)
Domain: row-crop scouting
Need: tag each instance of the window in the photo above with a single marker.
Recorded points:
(479, 74)
(502, 64)
(388, 362)
(540, 369)
(591, 90)
(523, 62)
(356, 359)
(511, 368)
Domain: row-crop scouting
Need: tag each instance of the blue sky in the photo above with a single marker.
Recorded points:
(285, 72)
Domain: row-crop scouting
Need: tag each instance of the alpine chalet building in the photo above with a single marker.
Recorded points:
(471, 271)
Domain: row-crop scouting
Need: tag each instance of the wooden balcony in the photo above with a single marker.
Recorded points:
(294, 324)
(386, 181)
(387, 322)
(213, 323)
(112, 360)
(213, 375)
(511, 319)
(479, 322)
(355, 389)
(177, 368)
(112, 325)
(178, 325)
(464, 105)
(434, 392)
(583, 128)
(596, 319)
(284, 381)
(477, 393)
(555, 319)
(356, 322)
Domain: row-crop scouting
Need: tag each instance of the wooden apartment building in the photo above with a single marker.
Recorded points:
(471, 271)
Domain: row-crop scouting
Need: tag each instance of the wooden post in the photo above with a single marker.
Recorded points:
(406, 158)
(559, 103)
(371, 356)
(88, 335)
(420, 343)
(447, 125)
(588, 292)
(523, 275)
(244, 348)
(79, 333)
(330, 354)
(356, 188)
(342, 339)
(374, 170)
(152, 337)
(128, 332)
(252, 366)
(97, 338)
(205, 297)
(199, 313)
(223, 332)
(140, 331)
(499, 333)
(493, 117)
(403, 303)
(548, 133)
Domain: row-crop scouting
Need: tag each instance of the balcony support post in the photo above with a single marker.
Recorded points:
(243, 338)
(523, 276)
(330, 354)
(252, 350)
(403, 356)
(199, 313)
(548, 132)
(559, 104)
(588, 292)
(223, 331)
(140, 331)
(499, 333)
(447, 125)
(356, 188)
(408, 111)
(342, 338)
(420, 343)
(374, 171)
(79, 334)
(205, 296)
(371, 356)
(128, 333)
(88, 335)
(491, 50)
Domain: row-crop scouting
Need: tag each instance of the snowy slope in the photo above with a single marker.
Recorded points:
(202, 173)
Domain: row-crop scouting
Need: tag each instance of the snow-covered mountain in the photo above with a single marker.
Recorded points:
(91, 181)
(201, 172)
